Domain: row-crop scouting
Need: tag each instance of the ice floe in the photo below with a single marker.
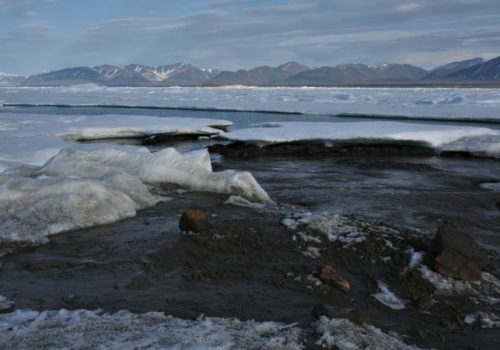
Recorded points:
(85, 329)
(445, 103)
(35, 138)
(478, 140)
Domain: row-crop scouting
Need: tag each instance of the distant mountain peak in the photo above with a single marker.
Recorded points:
(292, 73)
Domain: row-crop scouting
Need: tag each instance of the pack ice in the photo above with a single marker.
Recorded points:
(477, 140)
(49, 184)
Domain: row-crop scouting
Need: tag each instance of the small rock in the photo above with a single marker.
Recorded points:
(329, 276)
(323, 310)
(359, 317)
(193, 220)
(456, 254)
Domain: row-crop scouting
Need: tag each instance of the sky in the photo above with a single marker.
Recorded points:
(44, 35)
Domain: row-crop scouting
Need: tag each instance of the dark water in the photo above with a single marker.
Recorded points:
(241, 119)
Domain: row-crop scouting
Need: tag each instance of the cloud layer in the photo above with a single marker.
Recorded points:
(229, 34)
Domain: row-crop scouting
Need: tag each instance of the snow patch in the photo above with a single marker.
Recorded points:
(85, 329)
(5, 304)
(337, 228)
(388, 298)
(485, 320)
(345, 335)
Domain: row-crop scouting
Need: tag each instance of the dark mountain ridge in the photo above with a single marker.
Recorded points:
(473, 71)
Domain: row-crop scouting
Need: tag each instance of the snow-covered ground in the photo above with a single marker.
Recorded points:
(478, 140)
(446, 103)
(84, 329)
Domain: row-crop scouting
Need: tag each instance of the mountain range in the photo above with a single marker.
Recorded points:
(7, 79)
(473, 71)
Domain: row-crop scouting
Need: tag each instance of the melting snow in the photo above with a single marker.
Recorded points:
(84, 329)
(346, 335)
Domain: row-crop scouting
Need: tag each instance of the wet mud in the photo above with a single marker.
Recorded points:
(248, 264)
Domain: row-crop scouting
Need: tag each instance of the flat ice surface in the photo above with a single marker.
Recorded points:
(35, 138)
(479, 140)
(446, 103)
(82, 329)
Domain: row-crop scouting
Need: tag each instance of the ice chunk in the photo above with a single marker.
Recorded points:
(31, 209)
(164, 167)
(388, 298)
(78, 189)
(85, 329)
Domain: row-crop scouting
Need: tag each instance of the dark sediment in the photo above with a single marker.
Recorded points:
(338, 149)
(246, 264)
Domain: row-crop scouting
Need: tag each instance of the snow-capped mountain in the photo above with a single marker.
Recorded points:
(131, 75)
(475, 71)
(8, 79)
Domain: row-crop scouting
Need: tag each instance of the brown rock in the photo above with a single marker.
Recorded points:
(456, 254)
(359, 317)
(329, 276)
(193, 220)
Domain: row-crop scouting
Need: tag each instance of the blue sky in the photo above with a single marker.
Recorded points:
(41, 35)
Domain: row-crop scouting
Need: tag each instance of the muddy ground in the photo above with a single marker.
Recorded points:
(250, 266)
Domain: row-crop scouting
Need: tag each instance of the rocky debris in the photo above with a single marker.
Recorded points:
(323, 310)
(194, 220)
(456, 254)
(329, 276)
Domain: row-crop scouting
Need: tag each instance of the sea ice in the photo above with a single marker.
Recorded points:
(445, 103)
(478, 140)
(50, 184)
(77, 189)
